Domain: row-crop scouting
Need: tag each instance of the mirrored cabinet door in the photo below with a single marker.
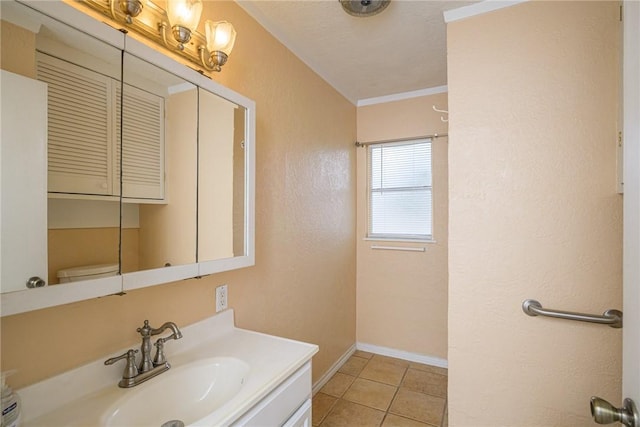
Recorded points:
(159, 167)
(73, 234)
(82, 75)
(221, 178)
(226, 181)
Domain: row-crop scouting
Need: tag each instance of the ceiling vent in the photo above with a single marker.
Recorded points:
(363, 8)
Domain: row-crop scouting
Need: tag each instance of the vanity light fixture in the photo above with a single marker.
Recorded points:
(131, 8)
(209, 51)
(221, 36)
(184, 16)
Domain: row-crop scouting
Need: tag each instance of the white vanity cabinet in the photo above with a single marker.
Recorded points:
(288, 405)
(302, 417)
(275, 389)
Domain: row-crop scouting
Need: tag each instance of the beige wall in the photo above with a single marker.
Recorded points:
(168, 231)
(81, 246)
(238, 181)
(402, 296)
(215, 181)
(18, 50)
(303, 284)
(533, 213)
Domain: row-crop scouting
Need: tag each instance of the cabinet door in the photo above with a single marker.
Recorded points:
(159, 114)
(302, 417)
(284, 405)
(143, 138)
(81, 108)
(23, 150)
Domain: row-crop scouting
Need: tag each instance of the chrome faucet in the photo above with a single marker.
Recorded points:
(134, 375)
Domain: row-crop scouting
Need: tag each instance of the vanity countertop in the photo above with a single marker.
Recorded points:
(80, 397)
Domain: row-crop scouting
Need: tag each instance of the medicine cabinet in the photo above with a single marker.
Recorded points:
(120, 157)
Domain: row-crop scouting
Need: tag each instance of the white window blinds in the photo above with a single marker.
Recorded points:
(400, 191)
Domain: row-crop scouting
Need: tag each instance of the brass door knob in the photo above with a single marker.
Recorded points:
(604, 412)
(35, 282)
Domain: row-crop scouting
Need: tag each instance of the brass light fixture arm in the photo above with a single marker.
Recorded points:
(162, 28)
(205, 59)
(112, 6)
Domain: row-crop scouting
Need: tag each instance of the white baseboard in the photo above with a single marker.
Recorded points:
(405, 355)
(334, 368)
(383, 351)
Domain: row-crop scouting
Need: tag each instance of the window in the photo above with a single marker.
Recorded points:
(400, 193)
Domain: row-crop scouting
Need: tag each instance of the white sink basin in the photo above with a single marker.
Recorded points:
(185, 393)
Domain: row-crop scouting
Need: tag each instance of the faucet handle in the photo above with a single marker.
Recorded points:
(160, 358)
(130, 370)
(145, 330)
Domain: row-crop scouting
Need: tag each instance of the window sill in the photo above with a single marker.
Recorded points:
(379, 239)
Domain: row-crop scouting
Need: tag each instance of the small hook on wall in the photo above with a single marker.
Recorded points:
(442, 111)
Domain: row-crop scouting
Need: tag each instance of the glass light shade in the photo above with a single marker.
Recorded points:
(221, 36)
(184, 13)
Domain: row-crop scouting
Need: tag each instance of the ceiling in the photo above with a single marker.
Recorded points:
(402, 49)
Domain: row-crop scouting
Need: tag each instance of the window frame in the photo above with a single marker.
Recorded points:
(416, 238)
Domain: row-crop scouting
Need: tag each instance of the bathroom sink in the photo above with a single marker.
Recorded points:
(186, 393)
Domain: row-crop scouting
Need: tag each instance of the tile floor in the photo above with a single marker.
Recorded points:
(373, 390)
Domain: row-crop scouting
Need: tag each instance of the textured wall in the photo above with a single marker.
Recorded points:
(303, 284)
(17, 45)
(533, 213)
(161, 242)
(402, 296)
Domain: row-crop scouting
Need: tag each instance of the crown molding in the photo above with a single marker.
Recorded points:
(402, 96)
(478, 9)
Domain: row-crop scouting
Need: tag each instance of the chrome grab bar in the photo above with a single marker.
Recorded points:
(611, 317)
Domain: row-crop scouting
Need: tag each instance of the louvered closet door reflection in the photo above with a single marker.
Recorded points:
(143, 142)
(80, 129)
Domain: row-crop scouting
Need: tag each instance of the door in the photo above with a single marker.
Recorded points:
(631, 240)
(24, 173)
(603, 412)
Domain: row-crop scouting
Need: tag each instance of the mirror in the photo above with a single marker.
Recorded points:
(159, 166)
(80, 74)
(150, 171)
(221, 189)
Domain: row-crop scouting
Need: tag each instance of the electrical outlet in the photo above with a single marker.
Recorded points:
(221, 298)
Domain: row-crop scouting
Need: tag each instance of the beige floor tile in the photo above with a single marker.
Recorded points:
(429, 368)
(338, 384)
(396, 421)
(384, 372)
(359, 402)
(418, 406)
(425, 382)
(370, 393)
(363, 354)
(353, 366)
(321, 405)
(348, 414)
(391, 360)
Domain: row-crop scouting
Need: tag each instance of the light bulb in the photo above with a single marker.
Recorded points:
(221, 36)
(184, 13)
